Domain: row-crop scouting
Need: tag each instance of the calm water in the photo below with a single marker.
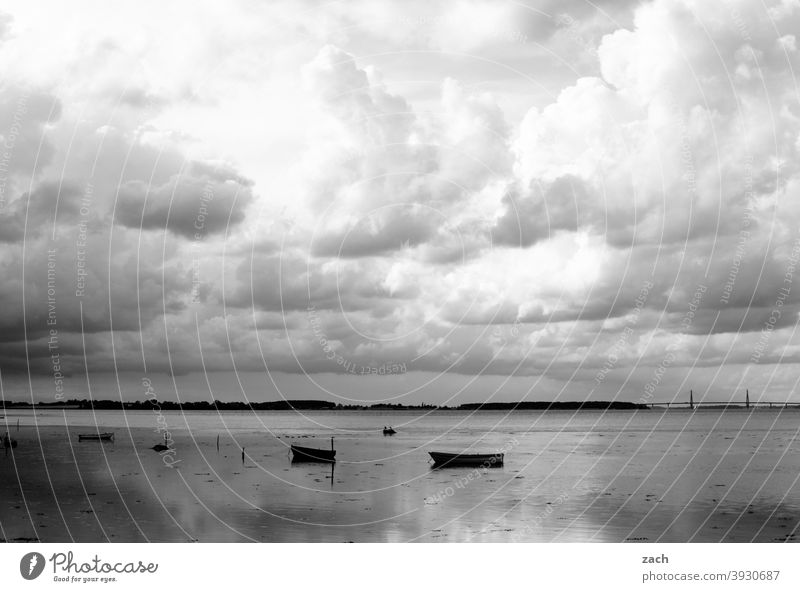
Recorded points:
(588, 476)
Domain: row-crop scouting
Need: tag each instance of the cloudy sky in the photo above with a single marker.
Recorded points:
(400, 201)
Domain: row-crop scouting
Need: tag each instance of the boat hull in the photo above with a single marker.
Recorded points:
(466, 460)
(107, 436)
(303, 454)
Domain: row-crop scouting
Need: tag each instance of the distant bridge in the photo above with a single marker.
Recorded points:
(746, 404)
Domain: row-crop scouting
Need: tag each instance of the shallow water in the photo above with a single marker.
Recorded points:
(589, 476)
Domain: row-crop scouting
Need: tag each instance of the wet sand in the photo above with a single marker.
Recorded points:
(712, 476)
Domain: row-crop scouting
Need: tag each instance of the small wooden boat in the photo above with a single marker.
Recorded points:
(390, 431)
(303, 454)
(472, 460)
(107, 436)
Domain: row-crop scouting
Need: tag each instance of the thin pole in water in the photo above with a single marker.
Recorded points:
(331, 442)
(217, 442)
(242, 455)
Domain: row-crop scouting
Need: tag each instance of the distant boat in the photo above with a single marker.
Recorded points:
(303, 454)
(108, 436)
(390, 431)
(472, 460)
(9, 442)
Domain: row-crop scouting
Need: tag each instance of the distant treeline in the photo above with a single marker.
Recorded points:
(551, 405)
(313, 405)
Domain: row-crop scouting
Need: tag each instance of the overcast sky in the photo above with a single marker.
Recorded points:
(465, 200)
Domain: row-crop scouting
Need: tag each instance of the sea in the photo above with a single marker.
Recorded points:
(568, 476)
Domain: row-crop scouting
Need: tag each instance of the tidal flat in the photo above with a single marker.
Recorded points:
(602, 476)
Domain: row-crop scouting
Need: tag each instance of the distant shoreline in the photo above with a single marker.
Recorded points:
(317, 405)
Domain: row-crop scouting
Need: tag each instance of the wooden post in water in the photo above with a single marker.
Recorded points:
(691, 400)
(242, 455)
(217, 442)
(331, 442)
(747, 399)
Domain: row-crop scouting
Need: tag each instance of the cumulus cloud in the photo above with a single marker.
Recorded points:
(545, 209)
(404, 176)
(668, 174)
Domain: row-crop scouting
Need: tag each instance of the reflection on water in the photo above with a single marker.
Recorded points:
(591, 476)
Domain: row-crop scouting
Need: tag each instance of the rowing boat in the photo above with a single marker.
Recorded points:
(303, 454)
(101, 436)
(472, 460)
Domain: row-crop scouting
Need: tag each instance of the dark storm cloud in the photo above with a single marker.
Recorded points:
(201, 202)
(114, 295)
(35, 213)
